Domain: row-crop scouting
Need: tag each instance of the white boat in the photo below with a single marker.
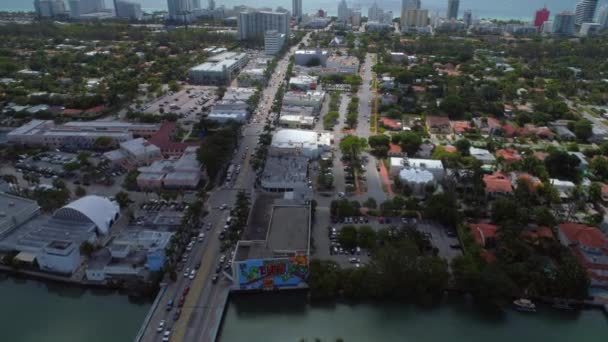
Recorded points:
(525, 305)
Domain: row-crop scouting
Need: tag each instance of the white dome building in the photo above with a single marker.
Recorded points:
(417, 179)
(96, 209)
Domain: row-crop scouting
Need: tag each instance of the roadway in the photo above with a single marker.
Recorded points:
(202, 321)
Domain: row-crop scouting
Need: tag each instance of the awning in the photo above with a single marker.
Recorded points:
(26, 257)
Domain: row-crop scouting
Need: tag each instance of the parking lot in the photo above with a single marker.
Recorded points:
(188, 103)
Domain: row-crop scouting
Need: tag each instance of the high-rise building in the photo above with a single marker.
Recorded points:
(296, 9)
(355, 18)
(49, 8)
(127, 9)
(80, 7)
(254, 24)
(374, 13)
(602, 17)
(179, 10)
(211, 5)
(410, 4)
(585, 11)
(541, 16)
(467, 18)
(453, 9)
(196, 4)
(563, 24)
(273, 42)
(414, 18)
(343, 11)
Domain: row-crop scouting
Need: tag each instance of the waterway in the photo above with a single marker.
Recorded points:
(32, 311)
(288, 318)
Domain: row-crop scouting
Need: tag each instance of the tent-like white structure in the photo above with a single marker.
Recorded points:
(96, 209)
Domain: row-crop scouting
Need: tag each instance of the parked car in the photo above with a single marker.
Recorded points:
(161, 326)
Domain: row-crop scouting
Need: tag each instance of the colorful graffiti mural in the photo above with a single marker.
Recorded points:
(270, 274)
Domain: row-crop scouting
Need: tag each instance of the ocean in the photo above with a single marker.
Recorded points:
(501, 9)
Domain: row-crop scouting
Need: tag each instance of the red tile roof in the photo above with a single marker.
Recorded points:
(96, 109)
(72, 111)
(483, 231)
(461, 126)
(539, 232)
(509, 155)
(497, 183)
(163, 139)
(395, 149)
(583, 235)
(450, 149)
(432, 121)
(390, 123)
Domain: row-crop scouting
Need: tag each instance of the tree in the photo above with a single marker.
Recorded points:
(562, 165)
(370, 203)
(352, 146)
(583, 129)
(366, 237)
(348, 237)
(443, 208)
(103, 143)
(599, 167)
(122, 198)
(463, 146)
(410, 142)
(595, 192)
(380, 145)
(454, 106)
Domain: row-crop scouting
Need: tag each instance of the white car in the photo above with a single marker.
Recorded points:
(166, 335)
(192, 274)
(186, 272)
(161, 326)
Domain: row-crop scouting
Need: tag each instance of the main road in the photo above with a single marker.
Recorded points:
(203, 308)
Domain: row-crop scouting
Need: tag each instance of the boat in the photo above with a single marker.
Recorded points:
(525, 305)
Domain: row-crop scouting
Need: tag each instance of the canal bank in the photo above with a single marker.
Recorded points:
(37, 311)
(289, 317)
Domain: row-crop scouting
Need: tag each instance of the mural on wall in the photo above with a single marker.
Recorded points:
(269, 274)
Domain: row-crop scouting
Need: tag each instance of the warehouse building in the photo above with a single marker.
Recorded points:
(133, 153)
(285, 173)
(176, 173)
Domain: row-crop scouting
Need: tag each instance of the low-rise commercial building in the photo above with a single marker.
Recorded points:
(297, 121)
(285, 173)
(303, 82)
(310, 57)
(181, 173)
(435, 167)
(343, 64)
(299, 142)
(219, 69)
(134, 153)
(78, 134)
(310, 98)
(280, 259)
(227, 110)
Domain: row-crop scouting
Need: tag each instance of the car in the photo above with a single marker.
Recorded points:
(186, 290)
(166, 335)
(192, 274)
(197, 266)
(170, 305)
(182, 299)
(218, 268)
(161, 326)
(186, 272)
(177, 313)
(221, 236)
(222, 259)
(456, 246)
(223, 206)
(214, 278)
(201, 237)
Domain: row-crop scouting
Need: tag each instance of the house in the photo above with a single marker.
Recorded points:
(533, 182)
(391, 124)
(438, 125)
(584, 164)
(590, 247)
(536, 234)
(461, 127)
(487, 125)
(497, 184)
(485, 235)
(482, 155)
(509, 155)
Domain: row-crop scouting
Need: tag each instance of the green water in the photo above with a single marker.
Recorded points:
(33, 311)
(287, 318)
